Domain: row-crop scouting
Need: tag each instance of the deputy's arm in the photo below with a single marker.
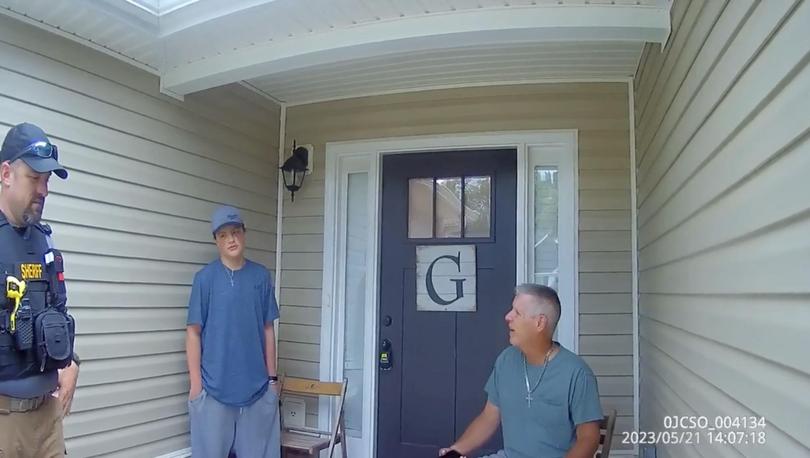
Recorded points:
(587, 441)
(480, 430)
(193, 356)
(67, 385)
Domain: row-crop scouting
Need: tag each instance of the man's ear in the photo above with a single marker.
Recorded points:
(542, 322)
(5, 172)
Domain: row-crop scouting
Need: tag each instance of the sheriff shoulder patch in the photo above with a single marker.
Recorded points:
(31, 271)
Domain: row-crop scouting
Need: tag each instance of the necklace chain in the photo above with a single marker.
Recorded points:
(230, 273)
(530, 390)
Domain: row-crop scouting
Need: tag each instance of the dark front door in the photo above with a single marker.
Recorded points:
(444, 206)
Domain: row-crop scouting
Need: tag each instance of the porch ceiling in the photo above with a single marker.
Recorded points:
(299, 51)
(462, 66)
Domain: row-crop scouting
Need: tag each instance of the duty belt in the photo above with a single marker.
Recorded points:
(9, 404)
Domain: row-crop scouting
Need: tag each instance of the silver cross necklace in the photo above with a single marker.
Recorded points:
(530, 390)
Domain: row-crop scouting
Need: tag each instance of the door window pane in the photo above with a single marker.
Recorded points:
(448, 207)
(447, 195)
(546, 204)
(420, 208)
(477, 206)
(356, 237)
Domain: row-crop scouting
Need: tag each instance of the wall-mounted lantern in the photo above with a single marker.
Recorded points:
(295, 168)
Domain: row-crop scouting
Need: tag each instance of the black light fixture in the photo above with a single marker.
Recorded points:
(295, 169)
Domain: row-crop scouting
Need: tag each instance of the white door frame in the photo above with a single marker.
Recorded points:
(365, 156)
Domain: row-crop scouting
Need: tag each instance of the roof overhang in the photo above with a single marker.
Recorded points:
(468, 28)
(297, 51)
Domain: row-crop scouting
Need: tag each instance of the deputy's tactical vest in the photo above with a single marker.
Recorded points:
(36, 332)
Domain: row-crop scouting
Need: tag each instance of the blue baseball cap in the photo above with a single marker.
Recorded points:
(223, 216)
(28, 142)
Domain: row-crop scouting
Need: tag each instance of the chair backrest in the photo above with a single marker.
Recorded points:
(606, 434)
(310, 387)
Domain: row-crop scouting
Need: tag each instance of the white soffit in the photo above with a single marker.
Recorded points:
(198, 44)
(272, 46)
(454, 67)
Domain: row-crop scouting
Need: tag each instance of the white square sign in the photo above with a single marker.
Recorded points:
(445, 278)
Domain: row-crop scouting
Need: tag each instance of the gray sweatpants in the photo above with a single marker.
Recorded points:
(252, 431)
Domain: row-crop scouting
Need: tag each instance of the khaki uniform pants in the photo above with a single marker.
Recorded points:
(33, 434)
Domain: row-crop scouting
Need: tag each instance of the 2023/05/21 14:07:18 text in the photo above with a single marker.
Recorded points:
(694, 430)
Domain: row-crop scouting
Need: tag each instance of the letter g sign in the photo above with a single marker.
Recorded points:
(458, 281)
(446, 278)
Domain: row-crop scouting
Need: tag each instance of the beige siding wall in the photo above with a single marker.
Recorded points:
(724, 217)
(132, 220)
(599, 111)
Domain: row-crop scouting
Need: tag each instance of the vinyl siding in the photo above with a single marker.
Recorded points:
(598, 111)
(723, 157)
(132, 220)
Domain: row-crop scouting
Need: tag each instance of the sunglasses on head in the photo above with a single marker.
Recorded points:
(39, 149)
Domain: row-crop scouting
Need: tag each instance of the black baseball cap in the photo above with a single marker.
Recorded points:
(28, 142)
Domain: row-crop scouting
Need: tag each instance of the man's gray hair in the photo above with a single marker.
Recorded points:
(546, 302)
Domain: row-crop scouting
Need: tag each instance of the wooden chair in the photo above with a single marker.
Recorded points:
(312, 440)
(606, 434)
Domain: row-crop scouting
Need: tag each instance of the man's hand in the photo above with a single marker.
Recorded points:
(479, 431)
(276, 387)
(67, 387)
(196, 389)
(445, 451)
(587, 441)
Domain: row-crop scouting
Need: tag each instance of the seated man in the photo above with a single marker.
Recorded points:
(544, 396)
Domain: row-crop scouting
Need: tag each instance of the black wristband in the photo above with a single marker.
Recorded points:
(273, 378)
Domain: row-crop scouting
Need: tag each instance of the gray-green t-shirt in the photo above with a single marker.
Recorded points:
(567, 396)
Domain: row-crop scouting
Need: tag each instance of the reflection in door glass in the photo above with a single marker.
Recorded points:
(546, 203)
(448, 207)
(420, 208)
(446, 195)
(477, 206)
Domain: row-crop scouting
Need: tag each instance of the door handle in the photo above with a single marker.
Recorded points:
(386, 355)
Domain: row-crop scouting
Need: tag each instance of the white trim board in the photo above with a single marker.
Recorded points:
(634, 260)
(364, 156)
(280, 189)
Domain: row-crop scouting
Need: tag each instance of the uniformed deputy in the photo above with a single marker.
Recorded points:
(38, 369)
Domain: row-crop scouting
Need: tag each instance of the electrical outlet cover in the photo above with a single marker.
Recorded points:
(294, 411)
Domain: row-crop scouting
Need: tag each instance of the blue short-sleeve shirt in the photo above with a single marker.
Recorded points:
(233, 312)
(566, 397)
